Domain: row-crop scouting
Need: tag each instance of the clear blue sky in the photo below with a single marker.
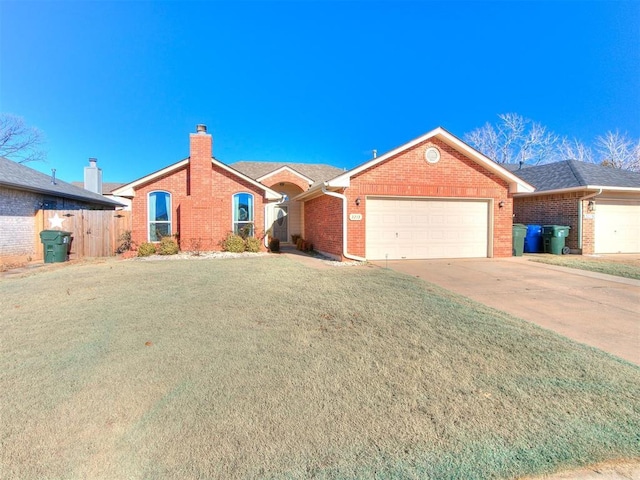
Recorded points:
(306, 81)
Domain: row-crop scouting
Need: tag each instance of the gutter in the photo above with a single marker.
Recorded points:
(344, 223)
(580, 200)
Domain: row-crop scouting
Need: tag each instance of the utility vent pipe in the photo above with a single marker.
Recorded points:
(53, 176)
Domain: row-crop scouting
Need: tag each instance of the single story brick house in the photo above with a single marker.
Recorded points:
(25, 191)
(201, 199)
(601, 205)
(434, 197)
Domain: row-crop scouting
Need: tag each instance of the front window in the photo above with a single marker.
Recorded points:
(243, 214)
(159, 216)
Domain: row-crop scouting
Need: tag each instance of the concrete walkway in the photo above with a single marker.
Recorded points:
(592, 308)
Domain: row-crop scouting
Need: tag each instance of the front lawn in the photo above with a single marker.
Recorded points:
(627, 267)
(263, 368)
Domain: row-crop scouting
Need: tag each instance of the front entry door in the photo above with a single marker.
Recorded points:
(280, 226)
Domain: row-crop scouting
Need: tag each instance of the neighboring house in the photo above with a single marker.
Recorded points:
(93, 182)
(434, 197)
(600, 204)
(23, 192)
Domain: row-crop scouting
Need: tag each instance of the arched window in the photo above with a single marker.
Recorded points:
(159, 215)
(243, 214)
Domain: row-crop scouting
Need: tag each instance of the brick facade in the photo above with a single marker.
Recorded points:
(559, 209)
(407, 174)
(201, 200)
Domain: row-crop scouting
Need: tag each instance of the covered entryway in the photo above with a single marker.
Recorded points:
(617, 226)
(421, 228)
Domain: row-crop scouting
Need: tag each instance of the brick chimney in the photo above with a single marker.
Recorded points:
(200, 153)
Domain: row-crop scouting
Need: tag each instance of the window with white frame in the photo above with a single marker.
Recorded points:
(159, 215)
(243, 214)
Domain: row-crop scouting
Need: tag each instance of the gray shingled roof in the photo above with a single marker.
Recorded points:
(19, 177)
(314, 171)
(573, 173)
(107, 187)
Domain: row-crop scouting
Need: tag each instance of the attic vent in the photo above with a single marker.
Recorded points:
(432, 155)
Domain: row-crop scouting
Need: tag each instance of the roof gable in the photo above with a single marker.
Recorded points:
(308, 171)
(572, 174)
(20, 177)
(516, 184)
(128, 190)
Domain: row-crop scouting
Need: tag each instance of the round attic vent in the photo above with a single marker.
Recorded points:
(432, 155)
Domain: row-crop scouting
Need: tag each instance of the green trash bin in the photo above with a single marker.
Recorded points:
(519, 233)
(553, 238)
(56, 245)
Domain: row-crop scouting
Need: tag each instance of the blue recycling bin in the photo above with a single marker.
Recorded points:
(533, 240)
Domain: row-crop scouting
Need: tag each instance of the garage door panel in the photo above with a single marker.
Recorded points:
(426, 228)
(617, 226)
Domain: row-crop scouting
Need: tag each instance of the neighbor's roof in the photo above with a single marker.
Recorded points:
(17, 176)
(107, 187)
(573, 174)
(342, 180)
(313, 171)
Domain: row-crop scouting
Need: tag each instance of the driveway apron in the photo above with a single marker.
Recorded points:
(599, 310)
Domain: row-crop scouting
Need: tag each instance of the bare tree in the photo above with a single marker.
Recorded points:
(574, 150)
(619, 151)
(514, 139)
(18, 141)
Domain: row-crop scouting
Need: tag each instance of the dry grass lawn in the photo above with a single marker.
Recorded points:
(263, 368)
(627, 265)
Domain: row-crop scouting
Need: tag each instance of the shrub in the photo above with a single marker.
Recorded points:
(125, 242)
(195, 246)
(168, 246)
(233, 243)
(274, 244)
(145, 249)
(252, 244)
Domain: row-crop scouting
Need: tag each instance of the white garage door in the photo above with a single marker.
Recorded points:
(617, 226)
(426, 228)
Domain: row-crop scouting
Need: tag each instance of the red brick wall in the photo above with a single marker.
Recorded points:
(285, 176)
(323, 224)
(409, 175)
(201, 196)
(559, 209)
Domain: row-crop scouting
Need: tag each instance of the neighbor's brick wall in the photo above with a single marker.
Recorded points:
(409, 175)
(323, 224)
(558, 209)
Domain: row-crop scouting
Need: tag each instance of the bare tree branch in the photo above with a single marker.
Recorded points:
(18, 141)
(574, 150)
(617, 150)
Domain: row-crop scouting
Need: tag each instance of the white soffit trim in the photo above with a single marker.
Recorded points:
(516, 184)
(579, 189)
(128, 190)
(283, 169)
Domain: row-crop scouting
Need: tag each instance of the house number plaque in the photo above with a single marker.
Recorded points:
(355, 216)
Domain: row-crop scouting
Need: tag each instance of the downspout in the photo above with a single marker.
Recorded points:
(587, 197)
(344, 222)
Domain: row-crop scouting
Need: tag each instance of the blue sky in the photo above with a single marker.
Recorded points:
(306, 81)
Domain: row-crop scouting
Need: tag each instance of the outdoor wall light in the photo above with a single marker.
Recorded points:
(501, 204)
(591, 206)
(358, 201)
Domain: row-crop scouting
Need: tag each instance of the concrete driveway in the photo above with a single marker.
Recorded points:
(592, 308)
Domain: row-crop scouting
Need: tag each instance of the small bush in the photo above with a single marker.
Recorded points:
(195, 246)
(145, 249)
(168, 246)
(252, 244)
(233, 243)
(125, 242)
(274, 244)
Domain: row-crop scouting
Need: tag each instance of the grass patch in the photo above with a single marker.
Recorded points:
(599, 265)
(264, 368)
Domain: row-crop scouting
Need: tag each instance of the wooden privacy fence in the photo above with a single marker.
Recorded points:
(94, 233)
